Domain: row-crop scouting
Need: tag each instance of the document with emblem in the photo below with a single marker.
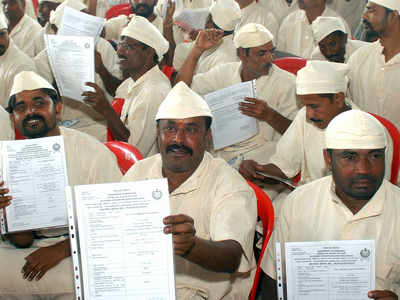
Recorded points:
(330, 270)
(72, 62)
(117, 230)
(35, 172)
(229, 125)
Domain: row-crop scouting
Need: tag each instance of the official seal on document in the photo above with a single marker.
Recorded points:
(365, 253)
(56, 147)
(156, 194)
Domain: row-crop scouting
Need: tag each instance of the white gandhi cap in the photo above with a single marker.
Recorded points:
(324, 26)
(28, 81)
(252, 35)
(225, 14)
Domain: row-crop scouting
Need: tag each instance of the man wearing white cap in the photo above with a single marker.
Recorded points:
(321, 86)
(295, 34)
(213, 211)
(35, 108)
(12, 61)
(21, 27)
(375, 69)
(44, 9)
(332, 39)
(141, 48)
(224, 16)
(354, 203)
(276, 105)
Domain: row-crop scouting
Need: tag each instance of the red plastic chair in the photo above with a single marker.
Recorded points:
(117, 105)
(265, 211)
(120, 9)
(290, 64)
(18, 135)
(168, 71)
(395, 135)
(127, 155)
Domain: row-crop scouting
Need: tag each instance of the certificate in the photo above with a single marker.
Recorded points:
(124, 253)
(72, 62)
(229, 125)
(330, 270)
(35, 172)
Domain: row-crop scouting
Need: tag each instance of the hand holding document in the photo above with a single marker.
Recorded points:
(72, 62)
(35, 173)
(76, 23)
(289, 183)
(329, 270)
(124, 253)
(229, 125)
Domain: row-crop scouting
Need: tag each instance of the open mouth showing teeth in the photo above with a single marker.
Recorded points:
(33, 123)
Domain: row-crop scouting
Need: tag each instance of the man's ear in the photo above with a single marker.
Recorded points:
(328, 159)
(339, 99)
(12, 118)
(59, 110)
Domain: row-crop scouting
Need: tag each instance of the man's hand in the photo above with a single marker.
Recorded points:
(183, 231)
(254, 108)
(5, 200)
(43, 259)
(99, 65)
(248, 170)
(97, 100)
(169, 16)
(193, 34)
(382, 295)
(208, 38)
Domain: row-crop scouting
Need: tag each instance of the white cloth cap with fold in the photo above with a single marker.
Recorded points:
(3, 23)
(355, 129)
(140, 29)
(252, 35)
(324, 26)
(28, 81)
(182, 103)
(225, 14)
(391, 4)
(56, 15)
(322, 77)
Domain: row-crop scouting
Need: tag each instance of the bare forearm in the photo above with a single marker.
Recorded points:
(92, 6)
(118, 129)
(64, 247)
(186, 72)
(277, 121)
(169, 36)
(21, 239)
(110, 82)
(221, 256)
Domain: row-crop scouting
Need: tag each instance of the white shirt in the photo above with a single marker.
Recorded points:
(374, 83)
(350, 10)
(223, 207)
(280, 8)
(277, 89)
(23, 34)
(142, 99)
(351, 47)
(296, 36)
(314, 212)
(12, 62)
(7, 128)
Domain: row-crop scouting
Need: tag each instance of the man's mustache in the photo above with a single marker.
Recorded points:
(179, 147)
(367, 177)
(315, 120)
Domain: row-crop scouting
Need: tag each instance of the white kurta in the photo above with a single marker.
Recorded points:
(88, 162)
(296, 36)
(23, 34)
(300, 149)
(142, 99)
(39, 44)
(223, 207)
(280, 8)
(12, 62)
(374, 83)
(350, 10)
(7, 129)
(255, 13)
(351, 47)
(277, 89)
(314, 212)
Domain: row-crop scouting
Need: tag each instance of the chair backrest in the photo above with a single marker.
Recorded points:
(168, 71)
(290, 64)
(265, 211)
(119, 9)
(127, 155)
(395, 135)
(117, 105)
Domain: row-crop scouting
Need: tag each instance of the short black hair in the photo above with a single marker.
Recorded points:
(155, 57)
(207, 122)
(50, 92)
(329, 96)
(339, 33)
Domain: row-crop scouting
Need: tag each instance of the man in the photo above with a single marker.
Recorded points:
(280, 8)
(44, 9)
(333, 42)
(140, 49)
(21, 27)
(375, 69)
(354, 203)
(295, 34)
(213, 211)
(12, 61)
(321, 86)
(224, 16)
(276, 104)
(35, 109)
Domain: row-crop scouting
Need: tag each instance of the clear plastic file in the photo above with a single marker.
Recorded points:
(35, 172)
(118, 247)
